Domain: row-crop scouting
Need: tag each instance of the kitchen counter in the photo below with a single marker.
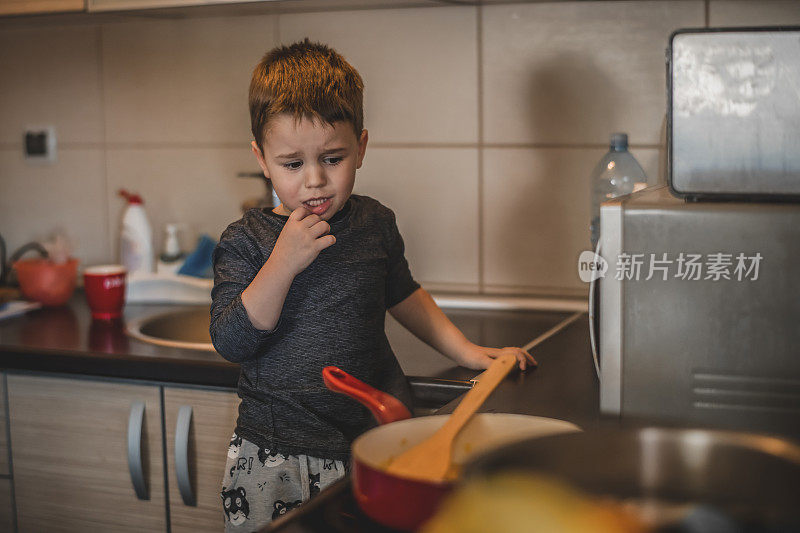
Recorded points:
(563, 386)
(66, 340)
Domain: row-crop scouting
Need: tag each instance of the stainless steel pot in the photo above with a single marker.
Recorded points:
(746, 478)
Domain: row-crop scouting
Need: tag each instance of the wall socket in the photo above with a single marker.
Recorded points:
(39, 144)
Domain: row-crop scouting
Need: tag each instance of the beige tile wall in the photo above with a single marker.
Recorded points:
(485, 123)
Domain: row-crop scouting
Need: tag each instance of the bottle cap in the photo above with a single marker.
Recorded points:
(131, 197)
(619, 142)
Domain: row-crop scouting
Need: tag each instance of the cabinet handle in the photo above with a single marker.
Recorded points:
(135, 425)
(182, 454)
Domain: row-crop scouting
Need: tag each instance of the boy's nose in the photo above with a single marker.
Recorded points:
(315, 176)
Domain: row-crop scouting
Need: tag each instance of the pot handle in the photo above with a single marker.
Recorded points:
(384, 407)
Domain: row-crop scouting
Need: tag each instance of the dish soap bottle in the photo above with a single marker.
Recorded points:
(616, 174)
(172, 257)
(136, 237)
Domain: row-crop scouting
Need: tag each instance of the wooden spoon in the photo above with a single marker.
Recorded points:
(430, 459)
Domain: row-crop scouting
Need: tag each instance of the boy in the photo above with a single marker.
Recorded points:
(306, 285)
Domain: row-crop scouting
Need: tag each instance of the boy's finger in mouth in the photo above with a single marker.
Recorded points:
(320, 205)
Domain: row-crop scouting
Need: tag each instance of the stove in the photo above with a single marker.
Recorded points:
(334, 510)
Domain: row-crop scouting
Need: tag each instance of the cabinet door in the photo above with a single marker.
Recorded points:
(6, 507)
(213, 419)
(70, 455)
(4, 470)
(21, 7)
(118, 5)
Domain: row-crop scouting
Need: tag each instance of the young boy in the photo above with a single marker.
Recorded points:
(306, 285)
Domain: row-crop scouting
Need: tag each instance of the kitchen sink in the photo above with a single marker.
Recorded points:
(181, 328)
(188, 328)
(435, 380)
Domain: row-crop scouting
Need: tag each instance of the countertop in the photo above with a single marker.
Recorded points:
(563, 386)
(66, 340)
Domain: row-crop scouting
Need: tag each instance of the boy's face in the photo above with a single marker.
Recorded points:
(311, 163)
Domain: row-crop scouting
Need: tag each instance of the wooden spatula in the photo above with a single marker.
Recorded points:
(430, 459)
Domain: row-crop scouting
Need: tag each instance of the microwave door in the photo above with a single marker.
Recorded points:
(609, 293)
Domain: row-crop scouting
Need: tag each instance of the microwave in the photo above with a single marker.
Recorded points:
(699, 312)
(733, 120)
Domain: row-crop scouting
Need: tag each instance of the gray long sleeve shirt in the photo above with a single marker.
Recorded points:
(333, 314)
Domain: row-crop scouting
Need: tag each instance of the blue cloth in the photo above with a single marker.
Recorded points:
(199, 263)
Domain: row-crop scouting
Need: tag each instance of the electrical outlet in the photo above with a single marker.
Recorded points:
(40, 144)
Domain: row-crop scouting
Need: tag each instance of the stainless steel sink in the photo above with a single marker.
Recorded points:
(188, 328)
(183, 328)
(435, 380)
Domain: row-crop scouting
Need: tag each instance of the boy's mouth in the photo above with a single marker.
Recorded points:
(318, 206)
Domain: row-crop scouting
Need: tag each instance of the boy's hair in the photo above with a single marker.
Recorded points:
(308, 80)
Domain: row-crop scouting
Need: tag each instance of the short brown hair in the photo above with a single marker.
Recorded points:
(308, 80)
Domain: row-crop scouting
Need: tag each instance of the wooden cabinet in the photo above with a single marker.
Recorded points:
(199, 423)
(4, 468)
(6, 488)
(27, 7)
(73, 442)
(6, 506)
(72, 459)
(119, 5)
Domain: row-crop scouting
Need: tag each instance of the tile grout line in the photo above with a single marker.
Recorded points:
(479, 57)
(106, 203)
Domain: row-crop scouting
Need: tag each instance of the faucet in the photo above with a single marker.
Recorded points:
(268, 201)
(5, 268)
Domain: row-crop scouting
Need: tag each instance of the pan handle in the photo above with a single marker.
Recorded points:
(384, 407)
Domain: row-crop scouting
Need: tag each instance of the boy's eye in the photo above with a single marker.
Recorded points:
(293, 165)
(333, 160)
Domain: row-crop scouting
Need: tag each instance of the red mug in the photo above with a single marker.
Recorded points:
(105, 290)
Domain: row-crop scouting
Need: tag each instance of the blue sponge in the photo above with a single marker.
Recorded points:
(199, 262)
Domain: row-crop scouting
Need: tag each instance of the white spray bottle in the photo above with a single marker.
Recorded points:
(136, 236)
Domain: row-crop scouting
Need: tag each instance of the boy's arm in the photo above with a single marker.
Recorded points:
(302, 239)
(263, 298)
(246, 303)
(421, 316)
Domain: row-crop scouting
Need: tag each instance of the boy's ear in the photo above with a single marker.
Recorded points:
(259, 158)
(362, 147)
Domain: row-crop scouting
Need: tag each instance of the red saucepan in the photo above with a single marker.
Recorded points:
(406, 503)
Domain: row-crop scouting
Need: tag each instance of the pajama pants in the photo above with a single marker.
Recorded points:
(259, 486)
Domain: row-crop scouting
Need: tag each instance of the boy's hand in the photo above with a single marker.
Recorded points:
(480, 357)
(302, 239)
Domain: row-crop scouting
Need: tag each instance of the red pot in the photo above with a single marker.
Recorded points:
(406, 503)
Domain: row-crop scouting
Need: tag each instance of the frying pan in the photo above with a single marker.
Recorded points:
(404, 502)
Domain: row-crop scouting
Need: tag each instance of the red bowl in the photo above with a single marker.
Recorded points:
(46, 282)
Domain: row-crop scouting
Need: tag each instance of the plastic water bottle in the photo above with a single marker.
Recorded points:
(616, 174)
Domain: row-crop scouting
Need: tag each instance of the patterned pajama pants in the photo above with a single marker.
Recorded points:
(259, 486)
